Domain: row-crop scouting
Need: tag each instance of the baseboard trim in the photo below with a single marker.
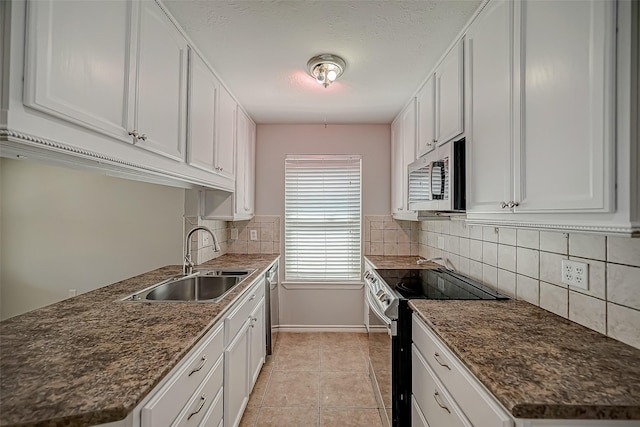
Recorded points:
(322, 328)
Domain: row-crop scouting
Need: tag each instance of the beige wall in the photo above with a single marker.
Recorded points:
(274, 142)
(307, 307)
(63, 229)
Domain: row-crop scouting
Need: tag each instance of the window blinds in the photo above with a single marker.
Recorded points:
(322, 218)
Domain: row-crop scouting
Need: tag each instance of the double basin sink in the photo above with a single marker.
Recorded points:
(205, 285)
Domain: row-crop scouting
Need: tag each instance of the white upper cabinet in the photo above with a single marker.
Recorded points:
(78, 63)
(204, 89)
(489, 79)
(160, 109)
(449, 95)
(403, 152)
(226, 135)
(564, 106)
(426, 105)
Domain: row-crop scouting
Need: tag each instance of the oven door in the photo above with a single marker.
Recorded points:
(380, 359)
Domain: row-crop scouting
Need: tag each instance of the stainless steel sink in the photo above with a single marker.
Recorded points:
(205, 285)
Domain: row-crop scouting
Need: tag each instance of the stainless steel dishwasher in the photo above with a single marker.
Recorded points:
(273, 316)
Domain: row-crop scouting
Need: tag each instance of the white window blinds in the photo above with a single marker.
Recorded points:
(322, 225)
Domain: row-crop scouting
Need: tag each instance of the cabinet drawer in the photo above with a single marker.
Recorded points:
(165, 406)
(204, 398)
(241, 312)
(477, 403)
(431, 396)
(213, 417)
(417, 419)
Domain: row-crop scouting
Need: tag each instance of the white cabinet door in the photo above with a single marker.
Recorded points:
(426, 101)
(236, 377)
(449, 95)
(77, 64)
(397, 171)
(242, 166)
(257, 344)
(403, 152)
(160, 112)
(564, 106)
(225, 146)
(489, 142)
(204, 88)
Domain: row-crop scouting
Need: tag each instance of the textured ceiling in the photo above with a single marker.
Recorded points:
(260, 50)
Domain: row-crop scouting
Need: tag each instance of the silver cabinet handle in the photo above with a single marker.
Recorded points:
(202, 363)
(142, 137)
(435, 396)
(435, 140)
(203, 399)
(503, 205)
(252, 297)
(134, 133)
(512, 204)
(436, 356)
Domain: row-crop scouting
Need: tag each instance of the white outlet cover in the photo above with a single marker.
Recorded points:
(206, 240)
(254, 235)
(575, 273)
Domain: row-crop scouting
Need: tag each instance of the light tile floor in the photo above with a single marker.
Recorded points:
(314, 379)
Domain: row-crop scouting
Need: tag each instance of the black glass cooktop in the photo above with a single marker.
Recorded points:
(436, 284)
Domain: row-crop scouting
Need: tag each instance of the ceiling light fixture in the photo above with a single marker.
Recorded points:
(326, 68)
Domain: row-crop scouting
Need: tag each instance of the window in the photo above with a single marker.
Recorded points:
(322, 226)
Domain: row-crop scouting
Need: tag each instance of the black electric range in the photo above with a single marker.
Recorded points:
(402, 285)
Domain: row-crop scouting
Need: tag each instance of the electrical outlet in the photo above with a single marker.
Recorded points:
(440, 242)
(206, 240)
(234, 234)
(575, 274)
(254, 235)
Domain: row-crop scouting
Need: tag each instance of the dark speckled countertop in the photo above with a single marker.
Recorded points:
(537, 364)
(91, 359)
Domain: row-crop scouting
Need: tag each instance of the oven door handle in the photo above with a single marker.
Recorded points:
(374, 306)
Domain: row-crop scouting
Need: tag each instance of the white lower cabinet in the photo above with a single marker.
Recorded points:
(237, 376)
(194, 386)
(446, 394)
(211, 386)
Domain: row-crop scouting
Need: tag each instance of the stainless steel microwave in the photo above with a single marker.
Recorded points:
(437, 179)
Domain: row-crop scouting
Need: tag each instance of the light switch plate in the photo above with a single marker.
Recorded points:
(575, 274)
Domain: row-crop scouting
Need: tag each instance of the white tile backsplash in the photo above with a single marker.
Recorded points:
(552, 241)
(528, 239)
(528, 289)
(588, 246)
(551, 268)
(555, 299)
(588, 311)
(622, 324)
(623, 250)
(528, 262)
(624, 285)
(507, 257)
(532, 270)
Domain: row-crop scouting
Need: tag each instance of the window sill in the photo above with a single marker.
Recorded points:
(323, 285)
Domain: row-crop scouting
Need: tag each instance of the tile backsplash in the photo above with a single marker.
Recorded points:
(383, 235)
(266, 229)
(526, 264)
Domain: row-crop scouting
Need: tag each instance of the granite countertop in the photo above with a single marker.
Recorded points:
(537, 364)
(92, 358)
(399, 262)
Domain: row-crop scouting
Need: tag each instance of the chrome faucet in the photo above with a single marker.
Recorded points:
(439, 258)
(187, 265)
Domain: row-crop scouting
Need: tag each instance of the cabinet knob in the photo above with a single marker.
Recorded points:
(435, 140)
(134, 133)
(513, 204)
(503, 205)
(142, 137)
